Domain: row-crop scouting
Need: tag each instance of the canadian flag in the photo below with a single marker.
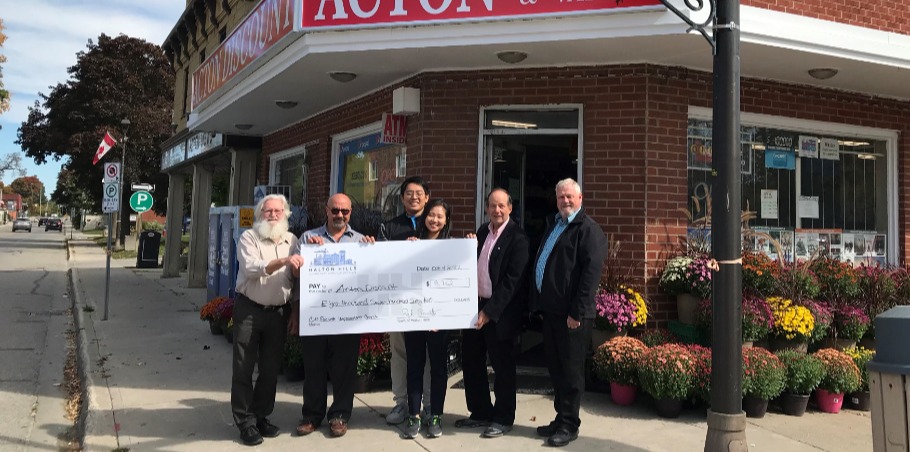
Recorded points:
(106, 144)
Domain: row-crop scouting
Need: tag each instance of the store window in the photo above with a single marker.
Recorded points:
(815, 194)
(371, 172)
(289, 168)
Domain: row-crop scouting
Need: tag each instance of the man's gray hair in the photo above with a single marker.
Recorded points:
(568, 182)
(284, 202)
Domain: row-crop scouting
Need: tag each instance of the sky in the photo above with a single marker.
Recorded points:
(43, 37)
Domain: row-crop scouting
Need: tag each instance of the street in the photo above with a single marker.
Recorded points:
(33, 278)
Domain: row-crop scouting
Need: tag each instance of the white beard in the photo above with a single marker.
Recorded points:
(274, 232)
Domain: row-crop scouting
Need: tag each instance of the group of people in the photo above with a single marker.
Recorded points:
(557, 285)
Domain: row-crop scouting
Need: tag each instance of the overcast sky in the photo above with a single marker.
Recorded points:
(43, 37)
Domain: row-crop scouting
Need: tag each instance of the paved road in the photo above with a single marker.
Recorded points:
(34, 320)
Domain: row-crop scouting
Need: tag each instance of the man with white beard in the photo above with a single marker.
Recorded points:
(265, 281)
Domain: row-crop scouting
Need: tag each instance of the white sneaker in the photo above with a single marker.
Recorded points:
(397, 415)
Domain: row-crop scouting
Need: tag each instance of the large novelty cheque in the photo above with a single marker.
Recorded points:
(388, 286)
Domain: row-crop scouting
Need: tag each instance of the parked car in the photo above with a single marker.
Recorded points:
(41, 221)
(22, 223)
(53, 223)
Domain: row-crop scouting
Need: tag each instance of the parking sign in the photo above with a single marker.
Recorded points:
(111, 200)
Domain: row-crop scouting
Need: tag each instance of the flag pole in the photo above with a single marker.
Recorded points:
(122, 236)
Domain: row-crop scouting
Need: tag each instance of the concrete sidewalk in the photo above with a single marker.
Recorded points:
(157, 380)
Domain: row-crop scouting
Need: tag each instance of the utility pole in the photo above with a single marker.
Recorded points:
(726, 420)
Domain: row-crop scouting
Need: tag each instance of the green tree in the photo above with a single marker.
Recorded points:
(117, 78)
(11, 162)
(69, 194)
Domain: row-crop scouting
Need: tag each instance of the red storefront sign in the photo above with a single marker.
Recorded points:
(266, 24)
(394, 129)
(363, 13)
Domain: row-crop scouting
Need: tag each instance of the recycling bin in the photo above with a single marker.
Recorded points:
(149, 242)
(888, 381)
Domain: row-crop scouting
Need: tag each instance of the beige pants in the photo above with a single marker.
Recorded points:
(399, 369)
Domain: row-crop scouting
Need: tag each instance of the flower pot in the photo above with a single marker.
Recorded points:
(668, 408)
(829, 402)
(780, 343)
(686, 305)
(229, 335)
(363, 383)
(622, 394)
(839, 344)
(867, 342)
(859, 400)
(215, 328)
(755, 407)
(292, 374)
(598, 337)
(747, 344)
(794, 404)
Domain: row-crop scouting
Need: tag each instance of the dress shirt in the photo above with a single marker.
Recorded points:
(558, 229)
(254, 254)
(484, 283)
(348, 236)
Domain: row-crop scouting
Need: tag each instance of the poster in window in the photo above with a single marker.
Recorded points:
(808, 146)
(701, 154)
(786, 245)
(780, 158)
(829, 149)
(848, 253)
(769, 205)
(807, 207)
(835, 246)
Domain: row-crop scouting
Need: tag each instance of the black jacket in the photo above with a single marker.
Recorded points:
(400, 228)
(508, 269)
(573, 269)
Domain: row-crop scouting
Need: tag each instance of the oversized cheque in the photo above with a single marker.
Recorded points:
(388, 286)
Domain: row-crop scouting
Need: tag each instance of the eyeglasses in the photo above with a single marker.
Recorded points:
(344, 212)
(411, 194)
(273, 211)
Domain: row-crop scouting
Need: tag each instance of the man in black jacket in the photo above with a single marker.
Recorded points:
(415, 192)
(502, 263)
(565, 277)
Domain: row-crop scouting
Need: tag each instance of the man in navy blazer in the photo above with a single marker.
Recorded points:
(502, 270)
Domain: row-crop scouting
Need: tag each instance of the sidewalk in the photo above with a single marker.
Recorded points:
(157, 380)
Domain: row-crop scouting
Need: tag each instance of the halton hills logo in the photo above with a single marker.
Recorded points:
(325, 262)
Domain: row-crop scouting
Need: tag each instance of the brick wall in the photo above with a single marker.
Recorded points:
(634, 142)
(893, 16)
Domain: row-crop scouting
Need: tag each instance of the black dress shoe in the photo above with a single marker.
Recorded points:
(472, 423)
(250, 436)
(267, 429)
(562, 437)
(548, 430)
(496, 430)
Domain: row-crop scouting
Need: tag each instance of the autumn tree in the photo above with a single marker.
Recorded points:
(30, 188)
(117, 78)
(4, 94)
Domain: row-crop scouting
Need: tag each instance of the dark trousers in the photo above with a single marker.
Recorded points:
(259, 336)
(419, 345)
(475, 347)
(336, 355)
(566, 350)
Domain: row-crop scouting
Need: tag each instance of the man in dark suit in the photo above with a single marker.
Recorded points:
(502, 258)
(565, 278)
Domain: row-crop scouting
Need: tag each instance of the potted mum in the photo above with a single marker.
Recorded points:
(764, 376)
(841, 376)
(823, 317)
(213, 312)
(652, 337)
(617, 361)
(793, 325)
(701, 375)
(850, 324)
(804, 373)
(369, 358)
(797, 283)
(617, 310)
(760, 273)
(837, 280)
(859, 399)
(689, 278)
(666, 373)
(756, 324)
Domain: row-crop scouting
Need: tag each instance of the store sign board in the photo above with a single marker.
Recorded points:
(366, 13)
(267, 23)
(394, 129)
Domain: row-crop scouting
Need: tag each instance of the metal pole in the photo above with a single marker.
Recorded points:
(726, 420)
(123, 212)
(107, 278)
